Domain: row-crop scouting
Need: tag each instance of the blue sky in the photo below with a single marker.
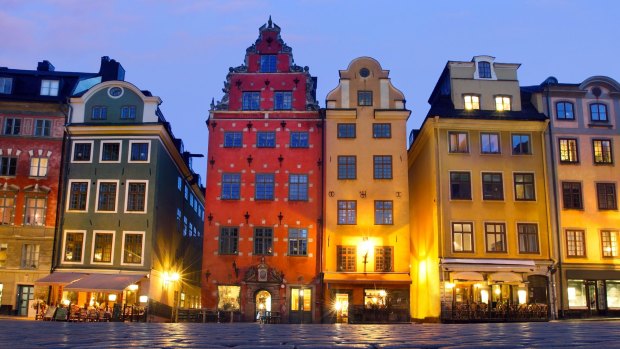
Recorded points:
(181, 50)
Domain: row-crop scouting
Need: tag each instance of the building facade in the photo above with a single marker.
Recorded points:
(130, 228)
(264, 188)
(366, 243)
(478, 191)
(33, 111)
(583, 133)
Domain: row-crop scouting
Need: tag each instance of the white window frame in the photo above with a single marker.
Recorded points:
(69, 194)
(92, 251)
(148, 155)
(64, 245)
(47, 168)
(92, 146)
(47, 86)
(99, 181)
(125, 232)
(120, 152)
(146, 195)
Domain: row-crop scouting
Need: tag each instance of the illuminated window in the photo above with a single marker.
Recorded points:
(462, 237)
(458, 142)
(502, 103)
(346, 258)
(49, 87)
(577, 294)
(102, 250)
(472, 102)
(495, 236)
(301, 299)
(528, 237)
(7, 208)
(38, 167)
(3, 256)
(609, 239)
(602, 151)
(73, 247)
(35, 210)
(460, 186)
(383, 258)
(524, 187)
(30, 256)
(133, 246)
(492, 186)
(606, 194)
(569, 152)
(571, 195)
(484, 70)
(228, 298)
(347, 212)
(598, 112)
(564, 111)
(575, 243)
(489, 143)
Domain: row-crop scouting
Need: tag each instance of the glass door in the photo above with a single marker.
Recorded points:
(342, 308)
(24, 295)
(597, 297)
(301, 305)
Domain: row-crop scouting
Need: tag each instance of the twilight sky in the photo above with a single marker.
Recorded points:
(181, 50)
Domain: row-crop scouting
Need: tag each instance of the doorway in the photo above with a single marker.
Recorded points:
(301, 305)
(25, 294)
(597, 297)
(263, 305)
(342, 308)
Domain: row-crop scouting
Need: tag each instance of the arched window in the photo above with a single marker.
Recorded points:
(564, 111)
(484, 70)
(598, 112)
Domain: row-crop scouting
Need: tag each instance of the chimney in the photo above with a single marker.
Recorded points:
(111, 70)
(45, 66)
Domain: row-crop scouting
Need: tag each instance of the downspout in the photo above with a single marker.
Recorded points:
(321, 223)
(439, 206)
(556, 210)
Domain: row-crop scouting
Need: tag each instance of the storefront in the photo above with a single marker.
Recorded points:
(592, 293)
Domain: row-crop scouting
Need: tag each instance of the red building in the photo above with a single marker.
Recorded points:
(264, 185)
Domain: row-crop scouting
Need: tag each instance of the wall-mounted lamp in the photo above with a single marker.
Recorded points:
(235, 269)
(280, 159)
(250, 158)
(210, 218)
(112, 297)
(280, 216)
(267, 82)
(238, 84)
(250, 124)
(213, 124)
(283, 124)
(144, 299)
(296, 81)
(319, 163)
(247, 217)
(207, 275)
(133, 287)
(212, 161)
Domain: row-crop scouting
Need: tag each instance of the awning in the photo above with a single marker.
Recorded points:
(59, 278)
(505, 277)
(368, 278)
(488, 265)
(104, 282)
(467, 276)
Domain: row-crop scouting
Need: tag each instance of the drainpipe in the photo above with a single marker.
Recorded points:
(556, 210)
(320, 226)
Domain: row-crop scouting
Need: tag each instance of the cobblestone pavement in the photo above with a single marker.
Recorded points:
(571, 334)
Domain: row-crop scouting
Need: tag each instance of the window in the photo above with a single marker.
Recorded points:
(139, 151)
(99, 113)
(283, 100)
(460, 186)
(569, 152)
(128, 112)
(268, 63)
(606, 194)
(6, 85)
(383, 258)
(492, 186)
(250, 101)
(298, 187)
(266, 139)
(35, 211)
(346, 258)
(110, 152)
(521, 144)
(231, 186)
(228, 298)
(73, 247)
(598, 112)
(458, 142)
(495, 234)
(364, 98)
(38, 167)
(489, 143)
(264, 186)
(42, 128)
(49, 87)
(502, 103)
(229, 240)
(524, 187)
(384, 212)
(3, 256)
(78, 194)
(298, 242)
(381, 131)
(82, 152)
(602, 151)
(30, 256)
(609, 240)
(571, 195)
(8, 166)
(347, 212)
(564, 111)
(575, 243)
(133, 246)
(263, 241)
(106, 196)
(462, 237)
(12, 126)
(136, 197)
(301, 299)
(346, 130)
(7, 208)
(382, 165)
(233, 139)
(347, 168)
(102, 247)
(484, 70)
(528, 237)
(472, 102)
(299, 140)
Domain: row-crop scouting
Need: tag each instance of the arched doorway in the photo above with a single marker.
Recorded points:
(263, 305)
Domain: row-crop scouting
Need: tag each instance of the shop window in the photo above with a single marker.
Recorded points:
(228, 298)
(576, 292)
(375, 299)
(301, 299)
(613, 294)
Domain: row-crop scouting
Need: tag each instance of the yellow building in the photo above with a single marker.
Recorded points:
(478, 199)
(583, 133)
(366, 240)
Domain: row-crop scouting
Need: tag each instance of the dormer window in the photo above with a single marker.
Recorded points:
(49, 87)
(472, 102)
(502, 103)
(5, 85)
(484, 70)
(268, 63)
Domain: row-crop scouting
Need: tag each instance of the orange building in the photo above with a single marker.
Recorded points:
(263, 197)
